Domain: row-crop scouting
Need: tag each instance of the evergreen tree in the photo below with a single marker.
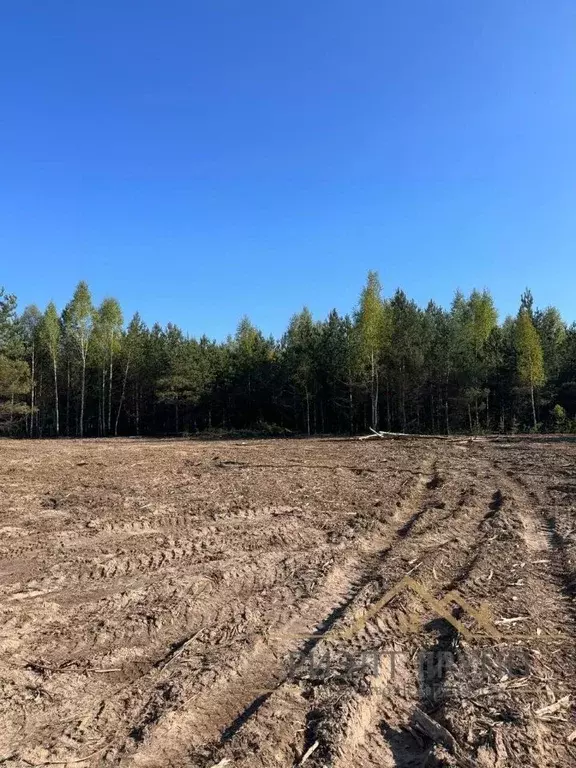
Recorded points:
(14, 371)
(438, 330)
(406, 357)
(30, 322)
(250, 360)
(300, 350)
(14, 382)
(334, 366)
(436, 370)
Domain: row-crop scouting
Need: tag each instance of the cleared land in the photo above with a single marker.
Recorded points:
(171, 603)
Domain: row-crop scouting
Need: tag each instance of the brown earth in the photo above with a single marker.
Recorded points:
(173, 603)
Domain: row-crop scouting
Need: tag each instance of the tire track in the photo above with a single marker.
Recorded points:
(154, 699)
(374, 725)
(341, 734)
(223, 705)
(519, 563)
(265, 635)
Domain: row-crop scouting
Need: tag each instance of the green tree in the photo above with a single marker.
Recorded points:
(372, 331)
(50, 334)
(300, 349)
(527, 303)
(437, 370)
(406, 355)
(560, 418)
(132, 346)
(30, 323)
(335, 370)
(181, 385)
(552, 331)
(250, 359)
(483, 319)
(439, 335)
(78, 319)
(530, 362)
(14, 372)
(14, 382)
(8, 333)
(107, 332)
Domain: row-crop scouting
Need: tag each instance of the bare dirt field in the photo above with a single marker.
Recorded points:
(183, 603)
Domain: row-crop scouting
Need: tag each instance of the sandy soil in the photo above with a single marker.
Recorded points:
(173, 603)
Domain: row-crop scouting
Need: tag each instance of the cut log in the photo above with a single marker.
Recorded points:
(433, 730)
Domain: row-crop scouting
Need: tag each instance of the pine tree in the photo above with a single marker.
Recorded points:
(30, 322)
(14, 372)
(437, 370)
(7, 322)
(300, 349)
(14, 382)
(406, 355)
(440, 356)
(333, 358)
(250, 360)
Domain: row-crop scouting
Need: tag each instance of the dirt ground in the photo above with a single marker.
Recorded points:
(184, 603)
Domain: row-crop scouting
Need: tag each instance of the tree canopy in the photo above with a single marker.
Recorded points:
(389, 364)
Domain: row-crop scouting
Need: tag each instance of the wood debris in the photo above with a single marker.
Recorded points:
(550, 709)
(309, 752)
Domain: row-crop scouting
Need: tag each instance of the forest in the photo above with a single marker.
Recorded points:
(391, 365)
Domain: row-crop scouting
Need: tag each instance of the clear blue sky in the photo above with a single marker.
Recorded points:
(204, 159)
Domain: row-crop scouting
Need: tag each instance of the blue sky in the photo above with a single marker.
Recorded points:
(202, 160)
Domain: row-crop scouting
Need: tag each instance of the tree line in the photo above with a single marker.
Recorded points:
(390, 365)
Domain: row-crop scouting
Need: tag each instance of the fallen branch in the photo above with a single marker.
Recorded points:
(103, 671)
(309, 752)
(551, 708)
(394, 435)
(383, 434)
(512, 620)
(180, 650)
(72, 760)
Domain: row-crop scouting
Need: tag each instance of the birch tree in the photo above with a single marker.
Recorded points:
(131, 348)
(107, 332)
(372, 330)
(530, 362)
(79, 323)
(50, 334)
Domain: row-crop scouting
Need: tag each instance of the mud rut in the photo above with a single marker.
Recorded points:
(190, 604)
